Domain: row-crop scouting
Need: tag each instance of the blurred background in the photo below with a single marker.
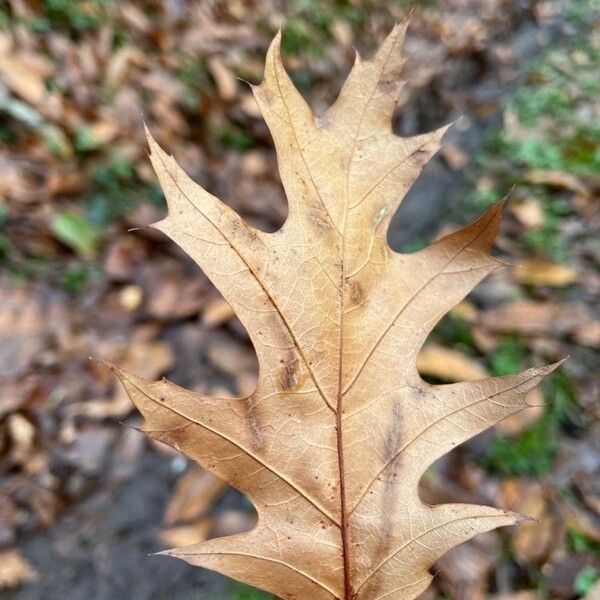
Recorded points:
(85, 499)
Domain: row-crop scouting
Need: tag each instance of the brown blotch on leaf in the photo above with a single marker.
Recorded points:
(287, 377)
(356, 292)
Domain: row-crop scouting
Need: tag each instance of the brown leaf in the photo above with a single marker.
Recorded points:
(530, 317)
(224, 78)
(21, 433)
(124, 257)
(24, 82)
(194, 495)
(15, 570)
(152, 357)
(233, 522)
(186, 535)
(175, 296)
(529, 212)
(331, 445)
(532, 542)
(466, 311)
(558, 179)
(454, 157)
(448, 364)
(588, 334)
(216, 312)
(539, 273)
(582, 522)
(465, 569)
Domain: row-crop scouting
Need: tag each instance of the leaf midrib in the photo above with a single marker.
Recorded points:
(256, 278)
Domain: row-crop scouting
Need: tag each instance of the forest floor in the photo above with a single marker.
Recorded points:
(85, 499)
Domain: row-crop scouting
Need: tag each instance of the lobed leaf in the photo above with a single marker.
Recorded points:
(332, 444)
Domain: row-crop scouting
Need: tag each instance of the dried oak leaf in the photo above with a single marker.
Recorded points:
(332, 444)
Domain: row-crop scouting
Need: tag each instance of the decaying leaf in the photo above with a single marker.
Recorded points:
(332, 444)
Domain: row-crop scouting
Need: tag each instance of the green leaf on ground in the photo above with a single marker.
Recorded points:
(75, 232)
(585, 580)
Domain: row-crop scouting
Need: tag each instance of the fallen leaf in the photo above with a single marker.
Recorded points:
(558, 179)
(588, 334)
(119, 64)
(448, 364)
(22, 434)
(530, 213)
(22, 81)
(464, 570)
(454, 157)
(532, 541)
(233, 522)
(224, 79)
(186, 535)
(15, 570)
(74, 231)
(152, 357)
(194, 495)
(216, 312)
(539, 273)
(177, 297)
(124, 257)
(581, 521)
(529, 317)
(30, 321)
(332, 444)
(100, 133)
(466, 311)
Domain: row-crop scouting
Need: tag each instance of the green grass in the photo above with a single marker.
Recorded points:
(114, 192)
(244, 592)
(585, 579)
(553, 127)
(70, 16)
(76, 275)
(580, 543)
(509, 357)
(236, 139)
(532, 452)
(75, 231)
